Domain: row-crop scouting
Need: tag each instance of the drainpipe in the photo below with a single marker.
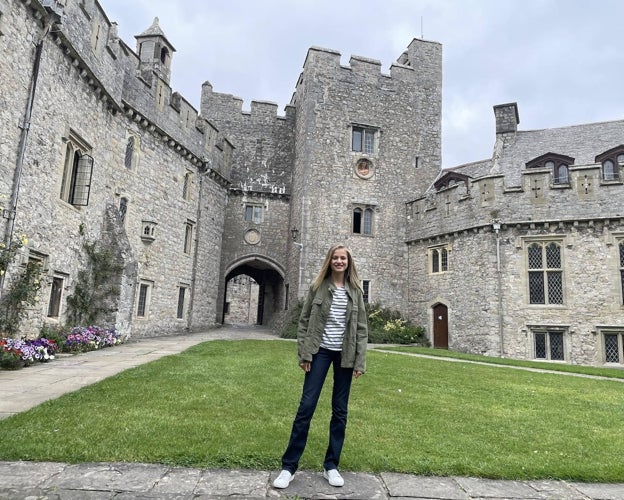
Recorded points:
(11, 212)
(496, 225)
(189, 322)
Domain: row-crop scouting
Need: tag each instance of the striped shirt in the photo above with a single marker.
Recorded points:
(336, 321)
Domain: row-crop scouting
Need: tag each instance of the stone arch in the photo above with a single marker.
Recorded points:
(269, 275)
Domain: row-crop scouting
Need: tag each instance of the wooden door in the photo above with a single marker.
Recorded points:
(440, 326)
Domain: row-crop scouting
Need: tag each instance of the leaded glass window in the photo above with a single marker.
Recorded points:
(545, 273)
(549, 345)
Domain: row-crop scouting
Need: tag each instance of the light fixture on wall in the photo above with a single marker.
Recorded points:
(294, 232)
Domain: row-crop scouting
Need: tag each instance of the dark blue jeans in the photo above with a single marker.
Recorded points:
(312, 385)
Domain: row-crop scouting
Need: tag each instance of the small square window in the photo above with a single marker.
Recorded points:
(253, 213)
(363, 140)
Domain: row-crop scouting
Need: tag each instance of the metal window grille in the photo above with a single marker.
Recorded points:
(556, 345)
(540, 345)
(612, 349)
(545, 274)
(81, 181)
(536, 287)
(555, 287)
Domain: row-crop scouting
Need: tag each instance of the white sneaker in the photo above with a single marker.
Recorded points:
(334, 477)
(283, 480)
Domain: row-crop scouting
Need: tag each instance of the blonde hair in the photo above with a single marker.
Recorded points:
(351, 275)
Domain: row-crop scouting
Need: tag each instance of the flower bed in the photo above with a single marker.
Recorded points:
(17, 353)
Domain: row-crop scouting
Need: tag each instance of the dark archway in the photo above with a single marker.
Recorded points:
(268, 276)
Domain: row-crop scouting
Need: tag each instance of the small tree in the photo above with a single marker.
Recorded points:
(96, 288)
(22, 289)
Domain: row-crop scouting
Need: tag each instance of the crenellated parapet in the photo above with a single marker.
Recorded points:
(474, 202)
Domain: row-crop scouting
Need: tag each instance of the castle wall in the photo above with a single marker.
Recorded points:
(87, 93)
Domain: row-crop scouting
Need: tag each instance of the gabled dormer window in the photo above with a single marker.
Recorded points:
(610, 162)
(450, 178)
(559, 166)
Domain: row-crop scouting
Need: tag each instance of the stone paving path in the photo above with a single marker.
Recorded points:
(31, 386)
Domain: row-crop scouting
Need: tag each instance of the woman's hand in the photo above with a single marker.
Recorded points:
(305, 366)
(356, 373)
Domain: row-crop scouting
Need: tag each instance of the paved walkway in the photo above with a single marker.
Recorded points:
(31, 386)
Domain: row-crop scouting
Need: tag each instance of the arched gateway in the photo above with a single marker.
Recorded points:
(269, 276)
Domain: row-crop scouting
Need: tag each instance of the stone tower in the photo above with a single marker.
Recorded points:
(155, 53)
(365, 143)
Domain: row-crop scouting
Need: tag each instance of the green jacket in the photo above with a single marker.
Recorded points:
(312, 324)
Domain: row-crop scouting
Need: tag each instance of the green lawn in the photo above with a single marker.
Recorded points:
(230, 404)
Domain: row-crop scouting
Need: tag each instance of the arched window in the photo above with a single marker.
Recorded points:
(611, 161)
(608, 170)
(561, 174)
(439, 259)
(558, 164)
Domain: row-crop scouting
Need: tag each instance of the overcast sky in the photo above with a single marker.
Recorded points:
(562, 61)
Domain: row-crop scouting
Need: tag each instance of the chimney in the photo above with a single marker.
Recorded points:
(506, 118)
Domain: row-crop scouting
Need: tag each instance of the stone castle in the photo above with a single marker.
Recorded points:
(520, 255)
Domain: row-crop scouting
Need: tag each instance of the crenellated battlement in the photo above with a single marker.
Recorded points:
(228, 107)
(476, 202)
(422, 61)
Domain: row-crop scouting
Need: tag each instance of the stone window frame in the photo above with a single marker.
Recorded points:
(614, 160)
(366, 289)
(253, 212)
(363, 219)
(183, 300)
(55, 300)
(77, 171)
(189, 234)
(187, 186)
(544, 242)
(548, 334)
(439, 258)
(606, 347)
(143, 299)
(359, 146)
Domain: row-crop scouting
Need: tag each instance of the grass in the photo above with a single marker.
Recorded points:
(231, 404)
(539, 365)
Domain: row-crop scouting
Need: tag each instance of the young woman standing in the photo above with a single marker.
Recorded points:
(333, 330)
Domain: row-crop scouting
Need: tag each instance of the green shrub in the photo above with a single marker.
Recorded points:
(290, 330)
(385, 326)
